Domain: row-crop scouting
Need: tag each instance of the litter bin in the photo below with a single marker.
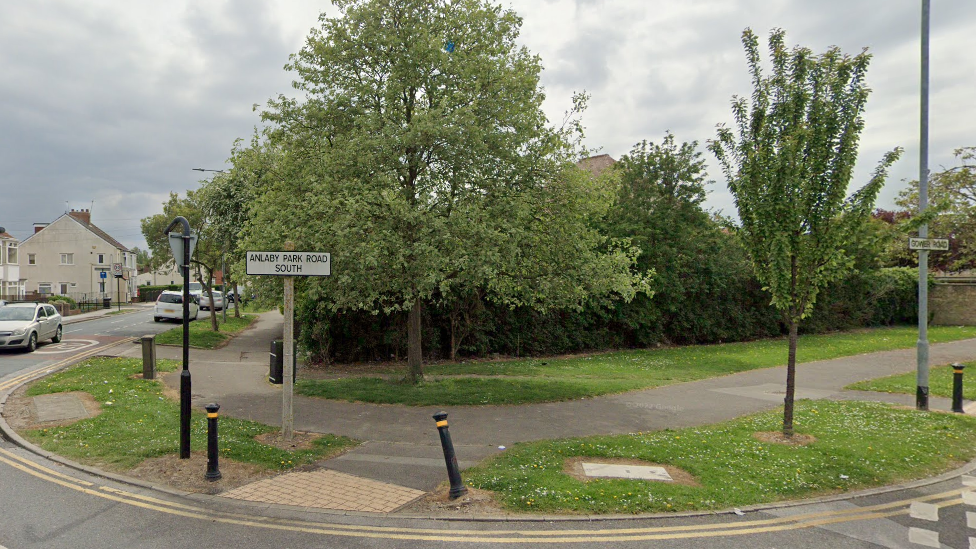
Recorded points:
(277, 374)
(107, 303)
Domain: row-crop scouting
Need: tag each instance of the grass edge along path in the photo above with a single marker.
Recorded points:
(557, 379)
(201, 334)
(137, 422)
(940, 382)
(857, 445)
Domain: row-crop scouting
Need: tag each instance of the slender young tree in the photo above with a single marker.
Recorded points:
(788, 166)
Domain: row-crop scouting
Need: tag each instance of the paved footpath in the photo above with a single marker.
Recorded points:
(402, 447)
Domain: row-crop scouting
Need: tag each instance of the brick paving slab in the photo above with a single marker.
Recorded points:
(325, 489)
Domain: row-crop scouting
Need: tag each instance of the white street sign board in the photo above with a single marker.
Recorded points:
(289, 263)
(117, 270)
(937, 244)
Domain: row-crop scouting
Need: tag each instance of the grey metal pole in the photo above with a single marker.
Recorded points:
(288, 379)
(922, 376)
(223, 276)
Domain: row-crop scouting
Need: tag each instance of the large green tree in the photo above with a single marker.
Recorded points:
(788, 167)
(420, 157)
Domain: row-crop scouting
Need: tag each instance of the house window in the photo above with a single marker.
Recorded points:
(32, 259)
(44, 288)
(101, 259)
(67, 259)
(64, 288)
(12, 254)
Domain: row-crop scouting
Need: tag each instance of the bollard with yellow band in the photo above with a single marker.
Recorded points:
(453, 474)
(957, 388)
(213, 472)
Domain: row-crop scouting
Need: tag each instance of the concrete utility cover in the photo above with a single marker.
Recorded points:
(640, 472)
(59, 407)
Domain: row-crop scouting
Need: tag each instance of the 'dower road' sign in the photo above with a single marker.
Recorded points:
(289, 263)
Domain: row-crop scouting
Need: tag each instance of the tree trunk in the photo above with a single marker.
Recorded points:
(414, 353)
(790, 382)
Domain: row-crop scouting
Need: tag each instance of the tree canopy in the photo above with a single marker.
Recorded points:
(421, 159)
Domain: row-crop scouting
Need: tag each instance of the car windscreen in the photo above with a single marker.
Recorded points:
(170, 298)
(17, 313)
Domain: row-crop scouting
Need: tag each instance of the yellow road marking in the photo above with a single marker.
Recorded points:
(796, 522)
(808, 520)
(27, 376)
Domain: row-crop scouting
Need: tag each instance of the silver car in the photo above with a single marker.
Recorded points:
(22, 325)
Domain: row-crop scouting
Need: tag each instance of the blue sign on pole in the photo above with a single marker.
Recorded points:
(102, 274)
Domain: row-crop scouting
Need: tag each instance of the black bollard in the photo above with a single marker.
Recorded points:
(957, 388)
(457, 485)
(213, 473)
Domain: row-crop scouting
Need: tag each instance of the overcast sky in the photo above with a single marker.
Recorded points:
(108, 104)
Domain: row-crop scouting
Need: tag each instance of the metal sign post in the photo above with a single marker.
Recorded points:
(289, 264)
(182, 246)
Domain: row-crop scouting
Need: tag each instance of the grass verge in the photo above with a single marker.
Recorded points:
(555, 379)
(858, 445)
(940, 383)
(201, 334)
(137, 422)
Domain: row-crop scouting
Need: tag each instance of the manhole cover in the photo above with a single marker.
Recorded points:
(641, 472)
(59, 407)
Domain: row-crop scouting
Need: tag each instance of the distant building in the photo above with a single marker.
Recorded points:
(71, 256)
(596, 165)
(11, 285)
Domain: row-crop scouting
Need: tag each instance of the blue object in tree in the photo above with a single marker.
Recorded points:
(449, 46)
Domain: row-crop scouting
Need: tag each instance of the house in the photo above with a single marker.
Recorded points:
(71, 256)
(11, 285)
(165, 274)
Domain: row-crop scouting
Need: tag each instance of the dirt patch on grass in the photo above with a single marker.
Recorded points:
(777, 437)
(438, 503)
(188, 474)
(574, 467)
(299, 440)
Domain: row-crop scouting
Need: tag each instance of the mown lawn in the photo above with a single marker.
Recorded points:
(857, 445)
(137, 422)
(201, 334)
(940, 382)
(556, 379)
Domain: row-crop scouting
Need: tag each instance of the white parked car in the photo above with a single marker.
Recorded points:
(24, 324)
(169, 305)
(218, 301)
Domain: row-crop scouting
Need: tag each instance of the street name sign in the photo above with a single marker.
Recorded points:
(289, 263)
(936, 244)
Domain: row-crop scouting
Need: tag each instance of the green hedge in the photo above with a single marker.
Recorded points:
(733, 309)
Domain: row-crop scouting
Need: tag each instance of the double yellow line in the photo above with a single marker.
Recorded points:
(183, 509)
(740, 528)
(43, 371)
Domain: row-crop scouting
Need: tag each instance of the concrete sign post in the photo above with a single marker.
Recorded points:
(288, 264)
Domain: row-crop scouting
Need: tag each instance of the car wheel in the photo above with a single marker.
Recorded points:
(57, 336)
(32, 342)
(157, 319)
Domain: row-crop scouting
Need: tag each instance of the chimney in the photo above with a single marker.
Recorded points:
(39, 226)
(81, 215)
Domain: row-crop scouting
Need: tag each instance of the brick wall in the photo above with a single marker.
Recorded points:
(953, 304)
